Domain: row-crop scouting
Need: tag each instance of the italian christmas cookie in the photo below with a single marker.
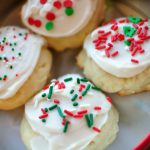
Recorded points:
(118, 53)
(64, 23)
(25, 63)
(69, 114)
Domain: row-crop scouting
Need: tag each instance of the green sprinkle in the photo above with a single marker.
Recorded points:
(52, 107)
(19, 54)
(75, 104)
(87, 120)
(5, 76)
(67, 79)
(0, 78)
(86, 90)
(96, 88)
(11, 67)
(15, 43)
(129, 31)
(10, 44)
(50, 92)
(84, 80)
(49, 26)
(46, 109)
(20, 34)
(44, 95)
(78, 80)
(60, 112)
(43, 120)
(72, 91)
(91, 119)
(135, 20)
(127, 42)
(74, 97)
(69, 11)
(66, 126)
(13, 49)
(0, 58)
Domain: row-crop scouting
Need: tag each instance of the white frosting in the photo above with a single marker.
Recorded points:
(121, 65)
(28, 46)
(50, 134)
(63, 25)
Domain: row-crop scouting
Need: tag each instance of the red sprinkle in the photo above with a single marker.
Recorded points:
(68, 3)
(115, 54)
(82, 112)
(96, 129)
(56, 101)
(134, 61)
(43, 116)
(50, 16)
(46, 87)
(38, 23)
(31, 21)
(97, 108)
(43, 1)
(57, 4)
(78, 116)
(68, 113)
(109, 99)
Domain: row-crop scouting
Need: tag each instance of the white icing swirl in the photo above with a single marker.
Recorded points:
(79, 135)
(19, 53)
(121, 65)
(63, 25)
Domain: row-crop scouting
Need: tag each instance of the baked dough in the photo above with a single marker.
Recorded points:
(34, 84)
(110, 83)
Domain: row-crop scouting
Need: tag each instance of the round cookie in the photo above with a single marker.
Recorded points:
(66, 22)
(25, 64)
(70, 113)
(119, 56)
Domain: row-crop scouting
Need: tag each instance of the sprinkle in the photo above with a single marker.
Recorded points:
(115, 54)
(68, 3)
(49, 26)
(43, 2)
(60, 112)
(57, 4)
(66, 126)
(44, 95)
(53, 107)
(69, 11)
(134, 61)
(78, 116)
(74, 97)
(46, 87)
(43, 116)
(91, 120)
(72, 91)
(37, 23)
(43, 120)
(127, 42)
(56, 101)
(50, 92)
(78, 81)
(75, 104)
(68, 113)
(86, 90)
(97, 108)
(68, 79)
(109, 99)
(82, 112)
(129, 31)
(87, 120)
(96, 88)
(84, 80)
(96, 129)
(50, 16)
(31, 21)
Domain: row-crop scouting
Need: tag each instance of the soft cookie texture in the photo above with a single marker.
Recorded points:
(34, 84)
(25, 63)
(118, 54)
(69, 113)
(65, 22)
(110, 83)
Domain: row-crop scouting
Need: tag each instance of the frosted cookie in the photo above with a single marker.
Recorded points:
(119, 56)
(64, 23)
(25, 63)
(69, 114)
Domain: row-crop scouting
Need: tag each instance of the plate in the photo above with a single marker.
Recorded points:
(134, 110)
